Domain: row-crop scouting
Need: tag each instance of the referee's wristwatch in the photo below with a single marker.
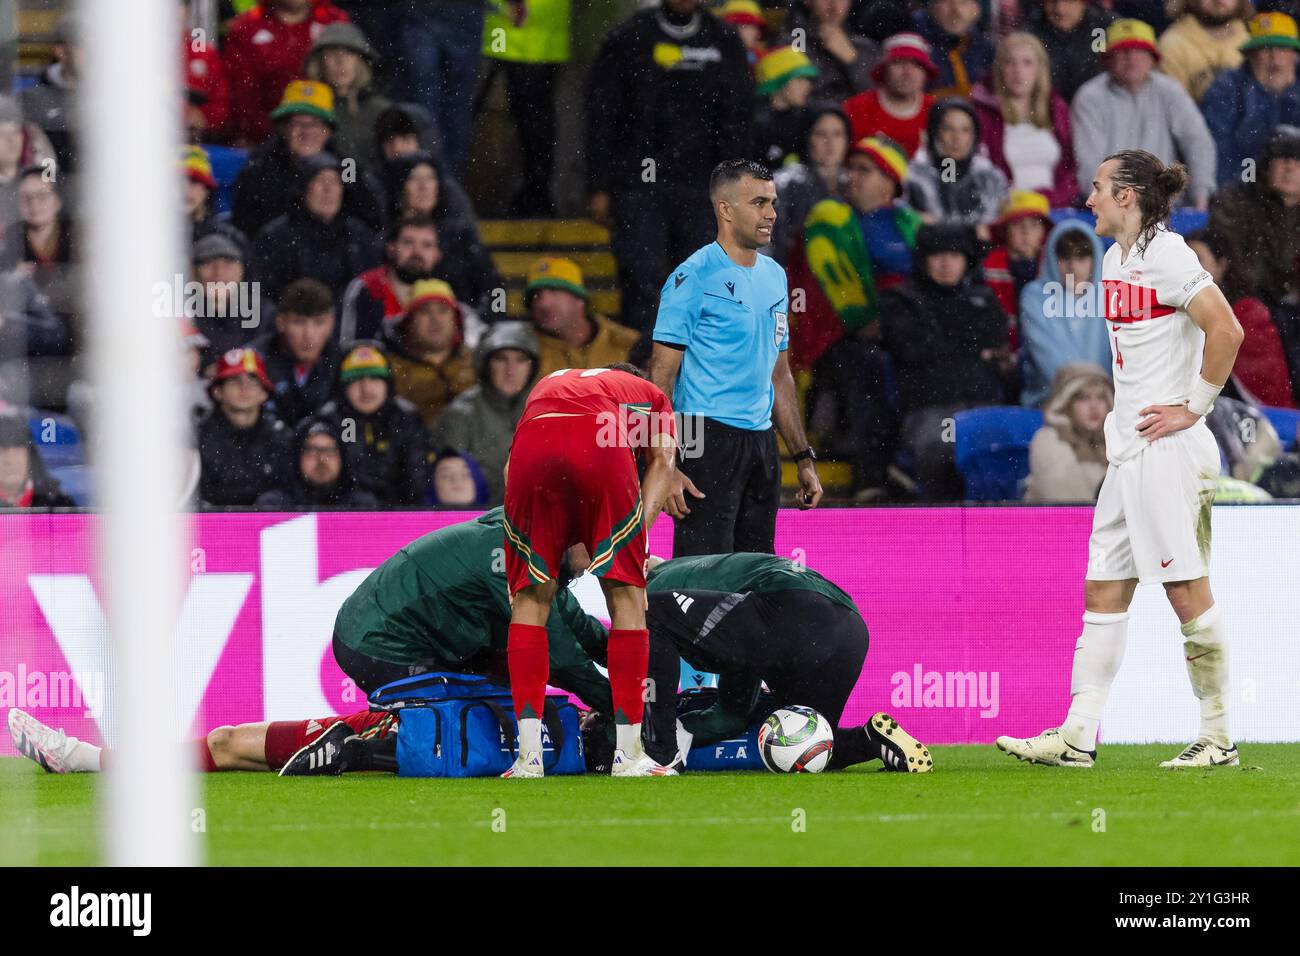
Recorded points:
(806, 455)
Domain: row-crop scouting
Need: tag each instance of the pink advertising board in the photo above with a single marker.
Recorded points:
(973, 613)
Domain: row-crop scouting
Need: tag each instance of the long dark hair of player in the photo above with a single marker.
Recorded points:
(1156, 185)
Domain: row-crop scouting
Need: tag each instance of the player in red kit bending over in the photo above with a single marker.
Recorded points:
(571, 479)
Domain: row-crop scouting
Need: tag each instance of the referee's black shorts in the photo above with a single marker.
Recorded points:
(739, 472)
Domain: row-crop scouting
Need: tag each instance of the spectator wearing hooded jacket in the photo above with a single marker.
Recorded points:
(1261, 366)
(1203, 42)
(950, 181)
(316, 238)
(343, 58)
(482, 420)
(301, 356)
(267, 186)
(264, 51)
(963, 54)
(947, 337)
(24, 482)
(1243, 106)
(1061, 311)
(426, 347)
(1068, 29)
(383, 437)
(322, 476)
(417, 185)
(1018, 235)
(1067, 456)
(1024, 125)
(244, 449)
(843, 58)
(457, 481)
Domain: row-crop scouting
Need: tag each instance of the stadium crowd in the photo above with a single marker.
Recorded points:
(349, 344)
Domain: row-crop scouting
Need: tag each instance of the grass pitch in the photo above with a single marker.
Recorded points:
(978, 807)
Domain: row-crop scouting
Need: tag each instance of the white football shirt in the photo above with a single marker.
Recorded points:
(1156, 348)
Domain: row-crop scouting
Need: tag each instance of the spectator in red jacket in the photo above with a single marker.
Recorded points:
(264, 52)
(206, 75)
(1020, 233)
(380, 294)
(1261, 364)
(1024, 124)
(899, 106)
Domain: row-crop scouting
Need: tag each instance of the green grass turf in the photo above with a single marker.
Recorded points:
(978, 807)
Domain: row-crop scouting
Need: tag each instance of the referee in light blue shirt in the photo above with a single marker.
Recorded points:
(720, 354)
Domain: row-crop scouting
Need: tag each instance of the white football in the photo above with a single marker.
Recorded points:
(796, 739)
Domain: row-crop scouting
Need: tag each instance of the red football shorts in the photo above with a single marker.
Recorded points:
(564, 488)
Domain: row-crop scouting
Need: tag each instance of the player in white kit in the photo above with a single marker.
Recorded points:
(1173, 343)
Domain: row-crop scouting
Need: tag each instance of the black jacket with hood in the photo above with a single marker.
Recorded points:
(301, 495)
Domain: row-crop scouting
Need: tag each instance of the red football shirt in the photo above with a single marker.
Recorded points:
(615, 396)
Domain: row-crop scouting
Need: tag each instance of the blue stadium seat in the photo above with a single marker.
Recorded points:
(76, 481)
(1186, 221)
(226, 164)
(993, 450)
(1284, 421)
(60, 443)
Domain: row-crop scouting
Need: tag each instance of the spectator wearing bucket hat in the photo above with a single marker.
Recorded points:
(244, 450)
(1132, 106)
(1019, 235)
(316, 238)
(1243, 106)
(898, 107)
(304, 129)
(383, 436)
(263, 52)
(196, 167)
(343, 58)
(784, 79)
(482, 420)
(747, 17)
(842, 57)
(569, 333)
(426, 348)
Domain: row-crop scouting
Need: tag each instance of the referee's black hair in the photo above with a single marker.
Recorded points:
(733, 171)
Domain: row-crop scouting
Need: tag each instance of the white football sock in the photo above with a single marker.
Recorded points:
(530, 735)
(1205, 650)
(627, 738)
(81, 757)
(1097, 657)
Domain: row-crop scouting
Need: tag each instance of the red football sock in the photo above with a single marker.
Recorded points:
(205, 756)
(526, 653)
(284, 738)
(629, 658)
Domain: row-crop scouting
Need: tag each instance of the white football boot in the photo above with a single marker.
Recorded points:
(640, 765)
(527, 766)
(1204, 754)
(1047, 748)
(46, 746)
(899, 750)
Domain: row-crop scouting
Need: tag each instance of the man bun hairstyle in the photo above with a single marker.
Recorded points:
(733, 171)
(1156, 185)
